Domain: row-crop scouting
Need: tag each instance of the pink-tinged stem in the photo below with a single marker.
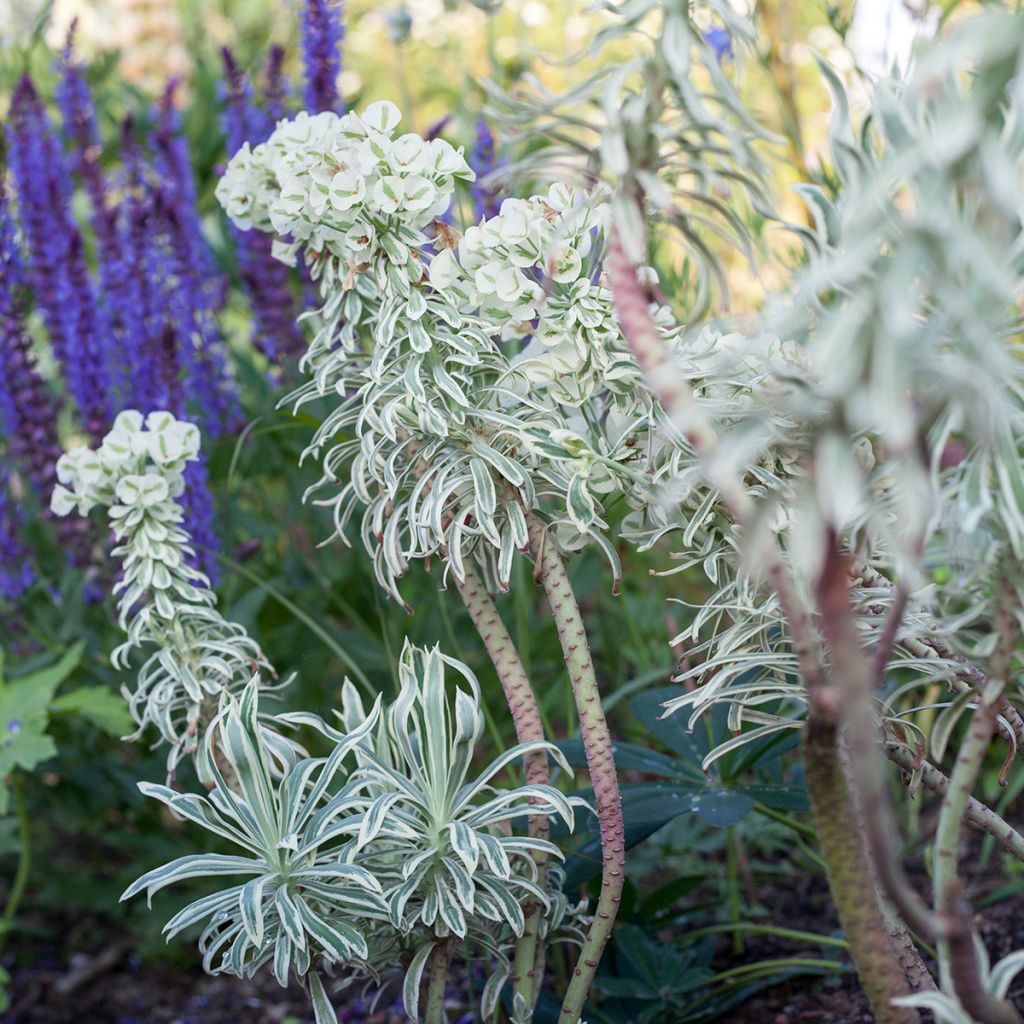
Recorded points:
(597, 744)
(528, 964)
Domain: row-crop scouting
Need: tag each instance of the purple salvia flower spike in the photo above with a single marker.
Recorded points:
(277, 88)
(322, 34)
(197, 291)
(58, 273)
(28, 409)
(16, 571)
(267, 280)
(486, 194)
(197, 502)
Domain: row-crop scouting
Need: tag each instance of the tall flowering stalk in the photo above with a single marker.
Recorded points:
(486, 194)
(196, 288)
(460, 451)
(59, 276)
(267, 281)
(28, 408)
(16, 571)
(322, 34)
(165, 606)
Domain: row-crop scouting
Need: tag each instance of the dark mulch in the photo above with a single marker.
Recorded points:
(805, 905)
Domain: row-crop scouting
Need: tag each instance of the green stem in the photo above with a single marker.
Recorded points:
(958, 954)
(527, 968)
(24, 858)
(440, 963)
(752, 928)
(849, 874)
(597, 745)
(770, 967)
(956, 947)
(734, 891)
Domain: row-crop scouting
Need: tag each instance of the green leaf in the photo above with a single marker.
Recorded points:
(46, 680)
(97, 704)
(323, 1012)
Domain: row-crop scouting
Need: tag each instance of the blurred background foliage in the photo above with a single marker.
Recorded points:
(713, 846)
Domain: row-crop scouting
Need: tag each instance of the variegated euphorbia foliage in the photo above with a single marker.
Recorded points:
(371, 857)
(456, 427)
(367, 859)
(193, 655)
(484, 400)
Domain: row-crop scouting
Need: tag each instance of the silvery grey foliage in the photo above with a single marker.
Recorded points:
(894, 414)
(662, 106)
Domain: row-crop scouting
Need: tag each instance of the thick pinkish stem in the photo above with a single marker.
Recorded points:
(597, 745)
(527, 968)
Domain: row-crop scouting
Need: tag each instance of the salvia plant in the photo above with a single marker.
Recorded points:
(845, 470)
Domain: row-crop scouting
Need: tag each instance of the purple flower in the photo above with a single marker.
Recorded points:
(486, 195)
(28, 409)
(322, 33)
(434, 130)
(58, 273)
(276, 87)
(197, 502)
(16, 572)
(720, 41)
(267, 281)
(76, 107)
(196, 290)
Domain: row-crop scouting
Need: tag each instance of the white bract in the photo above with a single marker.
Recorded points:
(343, 185)
(164, 604)
(453, 429)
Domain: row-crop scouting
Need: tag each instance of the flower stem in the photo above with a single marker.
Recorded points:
(440, 963)
(527, 968)
(597, 744)
(849, 873)
(24, 858)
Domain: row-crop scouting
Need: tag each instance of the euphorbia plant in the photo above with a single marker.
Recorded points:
(385, 851)
(866, 472)
(456, 442)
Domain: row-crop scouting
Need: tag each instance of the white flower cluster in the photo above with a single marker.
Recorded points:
(139, 464)
(136, 474)
(503, 263)
(534, 270)
(344, 185)
(449, 428)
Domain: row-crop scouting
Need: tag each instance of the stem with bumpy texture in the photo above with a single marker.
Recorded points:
(522, 703)
(958, 955)
(956, 949)
(834, 818)
(849, 874)
(597, 744)
(977, 814)
(437, 982)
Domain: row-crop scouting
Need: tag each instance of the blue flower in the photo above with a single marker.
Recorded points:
(486, 196)
(720, 41)
(267, 281)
